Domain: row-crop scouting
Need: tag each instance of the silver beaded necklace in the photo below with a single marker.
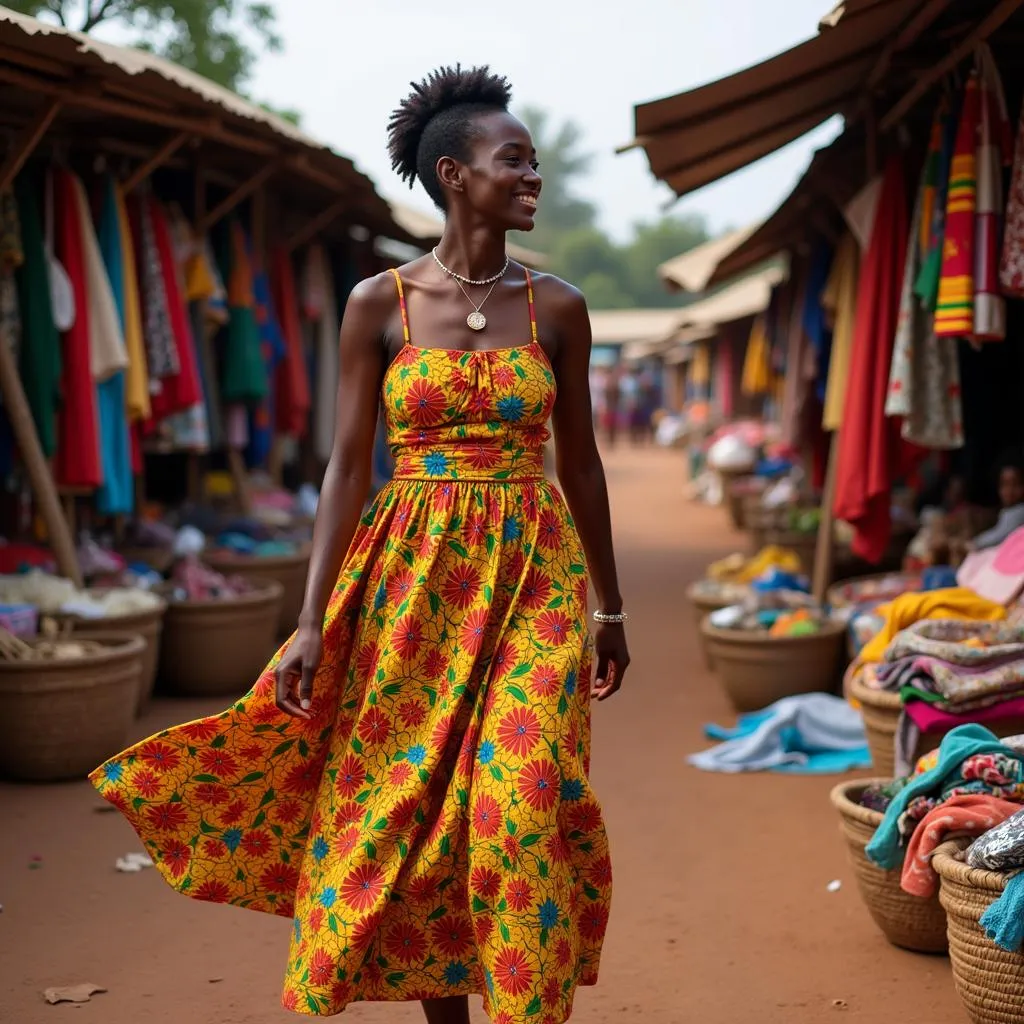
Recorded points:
(476, 320)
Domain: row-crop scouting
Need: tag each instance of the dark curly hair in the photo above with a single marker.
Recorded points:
(437, 119)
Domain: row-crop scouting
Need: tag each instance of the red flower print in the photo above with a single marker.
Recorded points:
(212, 891)
(535, 591)
(486, 882)
(458, 382)
(146, 784)
(422, 889)
(160, 756)
(427, 545)
(549, 534)
(585, 817)
(287, 812)
(581, 591)
(305, 776)
(407, 943)
(412, 713)
(442, 732)
(218, 762)
(512, 971)
(471, 635)
(535, 434)
(563, 953)
(351, 776)
(366, 929)
(403, 516)
(452, 934)
(503, 376)
(425, 403)
(118, 800)
(347, 841)
(444, 495)
(483, 925)
(504, 660)
(349, 813)
(552, 993)
(538, 784)
(593, 922)
(559, 850)
(257, 844)
(514, 565)
(366, 661)
(480, 403)
(321, 969)
(316, 919)
(519, 731)
(341, 993)
(483, 456)
(476, 529)
(363, 887)
(400, 773)
(462, 586)
(166, 817)
(545, 681)
(176, 855)
(234, 812)
(600, 873)
(280, 878)
(486, 816)
(519, 894)
(265, 714)
(374, 727)
(436, 664)
(407, 637)
(403, 814)
(251, 752)
(529, 501)
(214, 848)
(204, 730)
(553, 628)
(399, 584)
(512, 847)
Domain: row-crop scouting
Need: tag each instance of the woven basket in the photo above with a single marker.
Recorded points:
(148, 624)
(289, 570)
(59, 719)
(702, 606)
(757, 670)
(989, 980)
(909, 922)
(158, 559)
(220, 647)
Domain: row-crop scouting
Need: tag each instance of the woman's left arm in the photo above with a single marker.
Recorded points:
(582, 479)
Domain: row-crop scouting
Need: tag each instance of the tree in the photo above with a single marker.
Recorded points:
(219, 39)
(651, 246)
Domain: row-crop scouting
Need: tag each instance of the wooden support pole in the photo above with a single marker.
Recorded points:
(316, 224)
(918, 23)
(43, 486)
(258, 229)
(158, 159)
(999, 14)
(27, 141)
(246, 189)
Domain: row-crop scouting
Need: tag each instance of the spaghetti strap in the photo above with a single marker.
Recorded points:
(405, 312)
(533, 311)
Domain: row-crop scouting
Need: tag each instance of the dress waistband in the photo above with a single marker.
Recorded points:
(468, 461)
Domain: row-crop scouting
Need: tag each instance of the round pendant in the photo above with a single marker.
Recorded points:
(476, 320)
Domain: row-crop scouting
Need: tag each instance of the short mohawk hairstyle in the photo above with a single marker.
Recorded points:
(435, 120)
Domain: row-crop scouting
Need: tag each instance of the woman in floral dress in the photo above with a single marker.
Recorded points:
(408, 780)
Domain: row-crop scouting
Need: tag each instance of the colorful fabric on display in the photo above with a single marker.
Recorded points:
(39, 359)
(431, 831)
(926, 286)
(839, 301)
(137, 374)
(796, 384)
(954, 314)
(815, 316)
(870, 447)
(321, 307)
(924, 380)
(292, 385)
(77, 461)
(1011, 264)
(756, 379)
(162, 358)
(12, 255)
(273, 350)
(245, 371)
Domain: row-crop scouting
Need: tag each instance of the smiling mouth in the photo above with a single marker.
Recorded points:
(527, 199)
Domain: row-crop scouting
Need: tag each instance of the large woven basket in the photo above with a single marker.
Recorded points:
(702, 606)
(757, 670)
(59, 719)
(289, 570)
(220, 647)
(990, 980)
(906, 921)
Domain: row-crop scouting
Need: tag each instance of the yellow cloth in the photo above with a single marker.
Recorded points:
(953, 603)
(736, 569)
(137, 374)
(757, 375)
(700, 366)
(839, 300)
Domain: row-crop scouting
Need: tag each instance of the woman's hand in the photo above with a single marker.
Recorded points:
(295, 672)
(612, 659)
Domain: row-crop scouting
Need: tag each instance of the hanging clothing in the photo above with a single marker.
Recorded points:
(795, 387)
(245, 372)
(839, 301)
(756, 379)
(12, 256)
(815, 317)
(39, 358)
(137, 374)
(924, 380)
(1011, 264)
(292, 384)
(77, 462)
(272, 348)
(318, 292)
(937, 177)
(161, 345)
(869, 446)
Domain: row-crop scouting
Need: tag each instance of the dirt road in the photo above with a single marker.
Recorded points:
(721, 914)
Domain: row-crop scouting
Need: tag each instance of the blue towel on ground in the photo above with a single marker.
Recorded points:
(810, 733)
(957, 745)
(1003, 922)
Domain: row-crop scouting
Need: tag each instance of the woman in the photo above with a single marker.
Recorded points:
(408, 779)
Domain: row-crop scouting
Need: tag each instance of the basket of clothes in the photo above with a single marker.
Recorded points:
(708, 596)
(219, 632)
(66, 704)
(881, 713)
(908, 921)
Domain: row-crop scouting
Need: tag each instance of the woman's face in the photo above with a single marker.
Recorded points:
(500, 182)
(1011, 487)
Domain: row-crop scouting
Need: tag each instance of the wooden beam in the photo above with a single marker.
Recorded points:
(997, 16)
(911, 31)
(315, 225)
(27, 141)
(244, 190)
(158, 159)
(40, 478)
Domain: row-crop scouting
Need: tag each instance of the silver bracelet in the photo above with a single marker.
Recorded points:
(610, 617)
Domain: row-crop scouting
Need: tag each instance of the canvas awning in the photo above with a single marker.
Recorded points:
(691, 271)
(622, 326)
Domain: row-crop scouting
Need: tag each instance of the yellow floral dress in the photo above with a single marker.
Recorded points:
(432, 830)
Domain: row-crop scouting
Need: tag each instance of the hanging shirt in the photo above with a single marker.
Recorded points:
(292, 385)
(245, 372)
(839, 301)
(137, 375)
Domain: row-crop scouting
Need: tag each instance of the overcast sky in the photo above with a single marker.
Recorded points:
(346, 65)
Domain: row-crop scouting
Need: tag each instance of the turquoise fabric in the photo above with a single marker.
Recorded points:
(1003, 922)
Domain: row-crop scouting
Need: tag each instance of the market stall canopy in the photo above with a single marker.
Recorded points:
(745, 297)
(675, 348)
(699, 136)
(428, 230)
(691, 271)
(622, 326)
(99, 89)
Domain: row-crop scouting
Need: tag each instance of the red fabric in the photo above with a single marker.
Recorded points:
(77, 460)
(871, 452)
(184, 390)
(292, 385)
(724, 376)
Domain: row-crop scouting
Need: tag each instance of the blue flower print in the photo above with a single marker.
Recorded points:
(485, 755)
(456, 973)
(511, 408)
(548, 914)
(511, 530)
(435, 464)
(417, 754)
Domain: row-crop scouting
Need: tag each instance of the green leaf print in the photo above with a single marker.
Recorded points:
(424, 776)
(439, 913)
(591, 892)
(218, 741)
(396, 979)
(542, 868)
(392, 689)
(403, 850)
(531, 840)
(556, 602)
(488, 593)
(510, 826)
(519, 694)
(371, 850)
(332, 923)
(435, 602)
(259, 819)
(544, 938)
(408, 556)
(430, 961)
(520, 670)
(520, 373)
(496, 773)
(506, 935)
(563, 705)
(445, 846)
(278, 831)
(458, 549)
(431, 697)
(205, 777)
(283, 748)
(363, 797)
(356, 745)
(251, 777)
(478, 905)
(313, 1003)
(534, 1007)
(207, 829)
(381, 825)
(424, 369)
(463, 797)
(303, 748)
(491, 541)
(268, 798)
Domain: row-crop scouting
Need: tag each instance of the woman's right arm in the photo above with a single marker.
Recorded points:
(346, 482)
